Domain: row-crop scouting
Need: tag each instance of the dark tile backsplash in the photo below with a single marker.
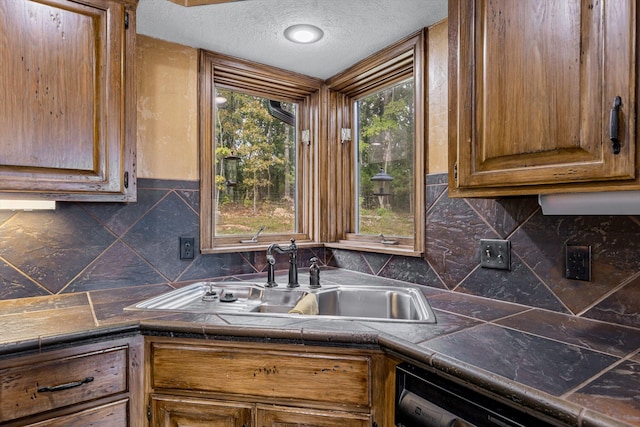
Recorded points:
(100, 246)
(454, 228)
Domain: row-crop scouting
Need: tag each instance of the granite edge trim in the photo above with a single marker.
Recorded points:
(175, 328)
(50, 342)
(17, 347)
(590, 418)
(224, 332)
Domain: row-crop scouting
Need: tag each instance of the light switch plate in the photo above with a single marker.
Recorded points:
(495, 253)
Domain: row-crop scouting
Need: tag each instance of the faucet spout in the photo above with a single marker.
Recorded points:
(292, 250)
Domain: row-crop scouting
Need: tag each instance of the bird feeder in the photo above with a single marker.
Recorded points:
(231, 169)
(381, 183)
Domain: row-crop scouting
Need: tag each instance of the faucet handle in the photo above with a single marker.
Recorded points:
(314, 274)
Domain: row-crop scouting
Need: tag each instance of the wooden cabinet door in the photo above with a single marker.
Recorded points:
(299, 417)
(64, 119)
(532, 85)
(175, 411)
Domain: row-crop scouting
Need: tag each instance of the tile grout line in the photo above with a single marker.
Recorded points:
(93, 311)
(29, 278)
(480, 324)
(533, 334)
(620, 286)
(601, 373)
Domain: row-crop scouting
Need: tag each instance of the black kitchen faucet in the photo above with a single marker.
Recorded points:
(292, 250)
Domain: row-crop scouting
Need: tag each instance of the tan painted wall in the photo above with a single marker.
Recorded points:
(438, 98)
(167, 110)
(168, 115)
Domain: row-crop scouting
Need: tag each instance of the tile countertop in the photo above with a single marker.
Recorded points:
(584, 372)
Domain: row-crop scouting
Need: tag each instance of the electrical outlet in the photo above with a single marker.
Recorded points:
(187, 247)
(495, 253)
(578, 262)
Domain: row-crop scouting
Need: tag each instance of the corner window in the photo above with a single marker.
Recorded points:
(255, 165)
(384, 166)
(256, 168)
(380, 102)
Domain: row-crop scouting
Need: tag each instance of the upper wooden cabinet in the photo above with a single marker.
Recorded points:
(67, 99)
(532, 86)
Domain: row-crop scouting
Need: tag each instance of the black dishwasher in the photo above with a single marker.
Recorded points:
(424, 399)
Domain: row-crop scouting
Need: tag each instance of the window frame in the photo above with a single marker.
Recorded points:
(223, 71)
(385, 68)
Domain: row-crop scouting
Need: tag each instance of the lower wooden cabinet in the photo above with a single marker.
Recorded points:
(285, 417)
(195, 383)
(98, 384)
(193, 412)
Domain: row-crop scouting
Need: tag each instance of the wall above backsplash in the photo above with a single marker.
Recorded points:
(167, 119)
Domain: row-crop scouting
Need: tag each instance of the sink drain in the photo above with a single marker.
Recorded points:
(210, 296)
(228, 297)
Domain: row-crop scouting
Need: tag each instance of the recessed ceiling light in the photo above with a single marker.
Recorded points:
(303, 33)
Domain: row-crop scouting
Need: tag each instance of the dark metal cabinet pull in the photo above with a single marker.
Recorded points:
(614, 124)
(65, 386)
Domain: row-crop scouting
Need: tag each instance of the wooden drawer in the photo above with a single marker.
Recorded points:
(38, 384)
(109, 415)
(263, 372)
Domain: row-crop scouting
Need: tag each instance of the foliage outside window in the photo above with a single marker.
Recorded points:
(262, 194)
(385, 144)
(251, 117)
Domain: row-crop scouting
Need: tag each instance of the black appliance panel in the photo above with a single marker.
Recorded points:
(424, 399)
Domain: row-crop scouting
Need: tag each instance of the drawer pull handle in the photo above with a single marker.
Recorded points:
(66, 386)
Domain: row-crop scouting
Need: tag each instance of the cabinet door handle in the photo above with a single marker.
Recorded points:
(614, 124)
(66, 386)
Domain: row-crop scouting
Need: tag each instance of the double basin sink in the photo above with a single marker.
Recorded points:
(347, 302)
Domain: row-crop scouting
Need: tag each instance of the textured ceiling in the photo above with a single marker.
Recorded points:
(253, 29)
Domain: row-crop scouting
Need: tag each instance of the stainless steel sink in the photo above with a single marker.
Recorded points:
(373, 302)
(347, 302)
